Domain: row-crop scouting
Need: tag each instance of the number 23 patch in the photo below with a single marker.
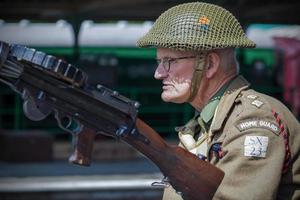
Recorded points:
(256, 146)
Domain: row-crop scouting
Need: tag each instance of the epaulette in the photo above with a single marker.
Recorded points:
(260, 115)
(254, 99)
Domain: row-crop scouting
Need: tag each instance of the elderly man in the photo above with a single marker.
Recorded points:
(252, 137)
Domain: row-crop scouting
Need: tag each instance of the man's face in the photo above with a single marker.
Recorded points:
(177, 81)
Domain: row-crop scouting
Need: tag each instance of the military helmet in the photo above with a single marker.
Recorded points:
(196, 26)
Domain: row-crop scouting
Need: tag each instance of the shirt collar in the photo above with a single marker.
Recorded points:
(209, 109)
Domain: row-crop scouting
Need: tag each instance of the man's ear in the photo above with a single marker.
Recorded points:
(212, 64)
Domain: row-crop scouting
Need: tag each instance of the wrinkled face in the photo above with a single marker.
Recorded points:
(177, 81)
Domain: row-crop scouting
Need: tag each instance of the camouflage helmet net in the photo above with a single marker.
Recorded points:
(196, 26)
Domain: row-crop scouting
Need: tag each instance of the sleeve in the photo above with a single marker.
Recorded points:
(252, 161)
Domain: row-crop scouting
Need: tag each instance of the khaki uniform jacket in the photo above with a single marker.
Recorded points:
(253, 151)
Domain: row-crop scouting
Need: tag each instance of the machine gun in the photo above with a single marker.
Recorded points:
(50, 85)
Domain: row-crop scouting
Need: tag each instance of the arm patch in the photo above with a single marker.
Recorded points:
(256, 146)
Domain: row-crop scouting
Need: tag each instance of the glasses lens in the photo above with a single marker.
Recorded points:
(166, 62)
(158, 61)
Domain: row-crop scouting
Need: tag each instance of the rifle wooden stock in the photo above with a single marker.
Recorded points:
(196, 179)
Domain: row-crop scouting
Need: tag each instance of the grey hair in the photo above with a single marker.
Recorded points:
(228, 59)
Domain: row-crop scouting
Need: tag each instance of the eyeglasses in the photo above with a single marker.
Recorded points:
(166, 62)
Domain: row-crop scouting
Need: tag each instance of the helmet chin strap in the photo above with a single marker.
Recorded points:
(197, 76)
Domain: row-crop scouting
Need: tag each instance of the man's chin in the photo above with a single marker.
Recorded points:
(166, 98)
(170, 99)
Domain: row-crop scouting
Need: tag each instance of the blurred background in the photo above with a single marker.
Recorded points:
(99, 37)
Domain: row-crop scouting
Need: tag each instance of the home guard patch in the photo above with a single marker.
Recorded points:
(258, 123)
(256, 146)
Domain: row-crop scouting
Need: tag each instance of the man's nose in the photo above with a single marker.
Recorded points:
(160, 72)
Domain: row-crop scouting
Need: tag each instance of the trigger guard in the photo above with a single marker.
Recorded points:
(67, 123)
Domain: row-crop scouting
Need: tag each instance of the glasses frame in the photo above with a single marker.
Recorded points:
(169, 61)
